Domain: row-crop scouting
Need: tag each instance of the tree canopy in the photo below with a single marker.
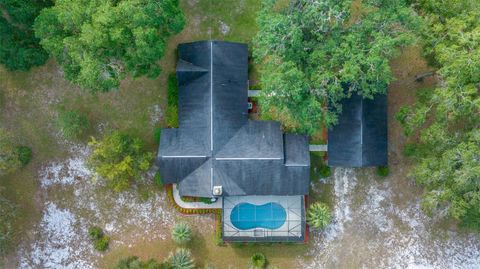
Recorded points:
(20, 49)
(315, 53)
(99, 42)
(447, 118)
(119, 158)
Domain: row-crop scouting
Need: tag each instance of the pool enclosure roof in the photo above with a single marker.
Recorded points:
(360, 137)
(245, 219)
(216, 144)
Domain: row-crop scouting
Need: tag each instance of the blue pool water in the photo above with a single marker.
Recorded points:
(246, 216)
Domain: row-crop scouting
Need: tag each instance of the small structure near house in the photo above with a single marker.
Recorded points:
(360, 137)
(261, 173)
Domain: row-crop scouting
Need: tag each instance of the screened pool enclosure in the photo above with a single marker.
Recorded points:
(264, 218)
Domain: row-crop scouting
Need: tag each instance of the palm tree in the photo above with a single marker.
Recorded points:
(318, 215)
(181, 259)
(258, 261)
(181, 233)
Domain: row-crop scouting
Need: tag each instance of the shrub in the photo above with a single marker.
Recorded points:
(383, 171)
(72, 123)
(102, 243)
(181, 259)
(206, 200)
(24, 155)
(119, 158)
(100, 240)
(258, 261)
(318, 215)
(95, 232)
(325, 171)
(158, 179)
(181, 233)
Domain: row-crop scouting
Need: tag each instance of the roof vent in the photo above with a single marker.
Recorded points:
(217, 190)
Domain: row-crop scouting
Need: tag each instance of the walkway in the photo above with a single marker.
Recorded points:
(318, 147)
(194, 205)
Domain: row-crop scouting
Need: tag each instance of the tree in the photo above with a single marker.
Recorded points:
(119, 158)
(181, 233)
(7, 216)
(258, 261)
(99, 42)
(318, 215)
(20, 49)
(313, 54)
(9, 159)
(446, 119)
(181, 259)
(72, 123)
(133, 262)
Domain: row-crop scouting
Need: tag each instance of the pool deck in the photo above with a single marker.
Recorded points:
(291, 230)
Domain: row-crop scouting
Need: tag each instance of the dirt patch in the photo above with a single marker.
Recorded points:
(73, 200)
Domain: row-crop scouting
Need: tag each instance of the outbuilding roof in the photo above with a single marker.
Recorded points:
(360, 137)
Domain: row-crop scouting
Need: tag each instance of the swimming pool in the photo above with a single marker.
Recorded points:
(246, 216)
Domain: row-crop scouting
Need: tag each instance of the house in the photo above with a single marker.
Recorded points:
(360, 137)
(261, 174)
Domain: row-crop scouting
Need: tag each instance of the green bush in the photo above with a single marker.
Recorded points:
(181, 259)
(318, 215)
(95, 232)
(258, 261)
(383, 171)
(206, 200)
(181, 233)
(102, 243)
(24, 155)
(72, 124)
(325, 171)
(100, 240)
(158, 180)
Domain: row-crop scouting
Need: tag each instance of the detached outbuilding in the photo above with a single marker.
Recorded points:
(360, 137)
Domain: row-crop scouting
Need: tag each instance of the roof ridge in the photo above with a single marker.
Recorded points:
(231, 138)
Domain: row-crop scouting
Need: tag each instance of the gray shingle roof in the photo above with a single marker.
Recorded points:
(360, 137)
(215, 143)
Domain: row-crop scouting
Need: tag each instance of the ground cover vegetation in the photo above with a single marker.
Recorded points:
(72, 123)
(99, 42)
(446, 119)
(7, 215)
(20, 49)
(313, 54)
